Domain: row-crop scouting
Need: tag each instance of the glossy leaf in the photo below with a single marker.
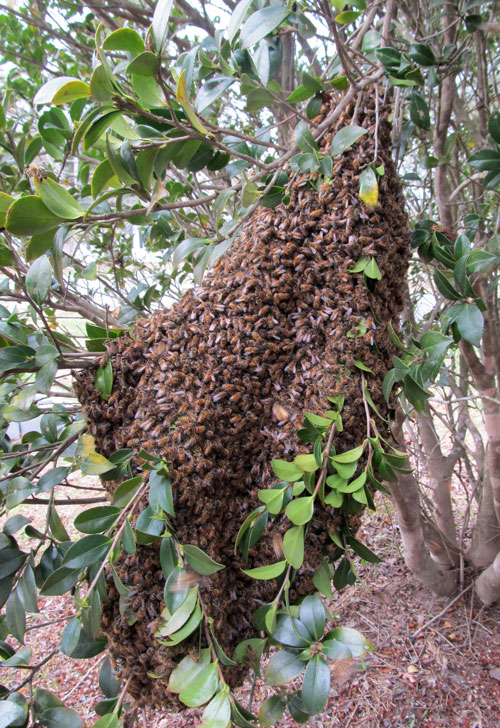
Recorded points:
(126, 491)
(304, 139)
(86, 552)
(345, 138)
(57, 199)
(29, 216)
(199, 561)
(261, 23)
(312, 615)
(161, 17)
(470, 324)
(201, 688)
(292, 632)
(217, 713)
(286, 471)
(271, 571)
(316, 685)
(96, 520)
(104, 380)
(124, 39)
(61, 90)
(271, 711)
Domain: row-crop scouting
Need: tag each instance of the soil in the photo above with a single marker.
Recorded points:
(421, 674)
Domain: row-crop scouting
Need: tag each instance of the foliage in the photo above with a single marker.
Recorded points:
(133, 149)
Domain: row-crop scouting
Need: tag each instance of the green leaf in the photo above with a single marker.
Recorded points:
(217, 713)
(312, 615)
(181, 614)
(345, 138)
(291, 632)
(494, 126)
(11, 714)
(293, 546)
(104, 380)
(304, 139)
(348, 16)
(96, 520)
(61, 91)
(354, 485)
(5, 202)
(362, 550)
(316, 685)
(70, 637)
(368, 187)
(286, 471)
(306, 463)
(57, 199)
(148, 527)
(39, 279)
(29, 216)
(300, 511)
(87, 551)
(350, 456)
(15, 616)
(185, 671)
(485, 160)
(201, 688)
(351, 639)
(61, 718)
(56, 526)
(422, 54)
(145, 64)
(470, 324)
(322, 580)
(237, 17)
(126, 491)
(262, 23)
(271, 571)
(372, 270)
(419, 111)
(273, 498)
(445, 287)
(160, 492)
(59, 582)
(359, 364)
(21, 657)
(95, 464)
(124, 39)
(199, 561)
(160, 22)
(271, 710)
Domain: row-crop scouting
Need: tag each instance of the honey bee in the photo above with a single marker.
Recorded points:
(37, 173)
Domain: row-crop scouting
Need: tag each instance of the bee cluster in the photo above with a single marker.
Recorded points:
(217, 386)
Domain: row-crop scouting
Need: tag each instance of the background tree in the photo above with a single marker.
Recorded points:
(136, 141)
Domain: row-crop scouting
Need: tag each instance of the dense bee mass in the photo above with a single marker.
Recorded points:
(217, 386)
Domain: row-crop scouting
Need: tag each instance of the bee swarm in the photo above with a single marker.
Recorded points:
(217, 386)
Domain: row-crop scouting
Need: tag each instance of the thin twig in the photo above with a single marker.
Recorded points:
(443, 611)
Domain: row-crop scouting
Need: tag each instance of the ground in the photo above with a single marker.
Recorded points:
(421, 674)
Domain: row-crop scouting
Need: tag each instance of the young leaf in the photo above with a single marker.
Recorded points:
(124, 39)
(350, 456)
(293, 546)
(300, 510)
(271, 571)
(286, 471)
(104, 380)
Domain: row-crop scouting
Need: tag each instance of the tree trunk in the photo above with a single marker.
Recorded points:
(486, 536)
